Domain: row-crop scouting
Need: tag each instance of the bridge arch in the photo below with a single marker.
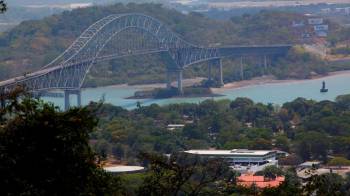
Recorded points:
(88, 46)
(68, 70)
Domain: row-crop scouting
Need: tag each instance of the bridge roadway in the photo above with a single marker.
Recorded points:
(228, 51)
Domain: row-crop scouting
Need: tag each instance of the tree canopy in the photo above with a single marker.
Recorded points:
(3, 6)
(44, 151)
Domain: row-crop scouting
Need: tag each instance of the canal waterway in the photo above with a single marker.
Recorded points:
(276, 93)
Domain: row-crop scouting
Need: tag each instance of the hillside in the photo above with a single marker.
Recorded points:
(32, 44)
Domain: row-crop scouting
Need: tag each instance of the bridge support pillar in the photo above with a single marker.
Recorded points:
(66, 100)
(265, 62)
(221, 78)
(179, 81)
(209, 71)
(168, 79)
(242, 70)
(67, 94)
(79, 98)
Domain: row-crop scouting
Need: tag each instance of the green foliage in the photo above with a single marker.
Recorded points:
(54, 145)
(312, 145)
(339, 36)
(343, 101)
(270, 171)
(3, 6)
(307, 129)
(339, 161)
(341, 50)
(299, 64)
(46, 152)
(184, 174)
(326, 185)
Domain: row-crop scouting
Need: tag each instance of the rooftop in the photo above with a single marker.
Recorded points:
(230, 152)
(259, 181)
(310, 164)
(123, 169)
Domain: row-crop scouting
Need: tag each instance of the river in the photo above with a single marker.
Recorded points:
(276, 93)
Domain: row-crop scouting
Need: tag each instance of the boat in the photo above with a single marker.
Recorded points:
(323, 89)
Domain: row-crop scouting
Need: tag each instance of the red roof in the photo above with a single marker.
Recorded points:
(259, 181)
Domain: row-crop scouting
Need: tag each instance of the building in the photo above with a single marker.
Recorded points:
(241, 160)
(259, 181)
(321, 30)
(119, 169)
(172, 127)
(309, 164)
(298, 24)
(315, 21)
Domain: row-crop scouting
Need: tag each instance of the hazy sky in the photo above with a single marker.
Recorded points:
(48, 2)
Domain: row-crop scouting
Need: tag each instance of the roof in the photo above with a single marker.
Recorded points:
(123, 168)
(309, 164)
(176, 125)
(306, 173)
(243, 152)
(259, 181)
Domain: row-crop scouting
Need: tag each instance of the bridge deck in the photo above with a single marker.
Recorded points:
(223, 52)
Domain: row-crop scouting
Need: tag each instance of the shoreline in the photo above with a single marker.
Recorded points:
(186, 83)
(262, 80)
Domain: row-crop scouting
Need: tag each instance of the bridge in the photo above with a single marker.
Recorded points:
(122, 35)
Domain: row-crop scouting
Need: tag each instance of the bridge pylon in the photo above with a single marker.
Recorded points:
(67, 94)
(221, 78)
(216, 62)
(179, 81)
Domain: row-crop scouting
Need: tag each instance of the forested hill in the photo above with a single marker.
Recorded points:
(32, 44)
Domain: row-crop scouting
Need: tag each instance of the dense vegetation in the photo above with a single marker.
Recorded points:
(3, 6)
(44, 151)
(32, 44)
(307, 129)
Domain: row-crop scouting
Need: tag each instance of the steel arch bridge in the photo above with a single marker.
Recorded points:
(122, 35)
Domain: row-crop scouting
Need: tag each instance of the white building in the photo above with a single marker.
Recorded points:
(123, 169)
(172, 127)
(241, 159)
(321, 28)
(315, 21)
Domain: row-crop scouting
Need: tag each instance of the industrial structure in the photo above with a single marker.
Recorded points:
(122, 35)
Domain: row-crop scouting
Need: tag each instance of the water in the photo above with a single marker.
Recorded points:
(277, 93)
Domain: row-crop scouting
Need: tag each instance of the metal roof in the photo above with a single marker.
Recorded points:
(243, 152)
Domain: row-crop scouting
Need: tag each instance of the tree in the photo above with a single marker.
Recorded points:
(3, 6)
(292, 160)
(261, 144)
(46, 152)
(270, 171)
(326, 185)
(184, 174)
(339, 161)
(312, 145)
(343, 101)
(282, 143)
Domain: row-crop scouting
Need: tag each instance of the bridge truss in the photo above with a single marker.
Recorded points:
(122, 35)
